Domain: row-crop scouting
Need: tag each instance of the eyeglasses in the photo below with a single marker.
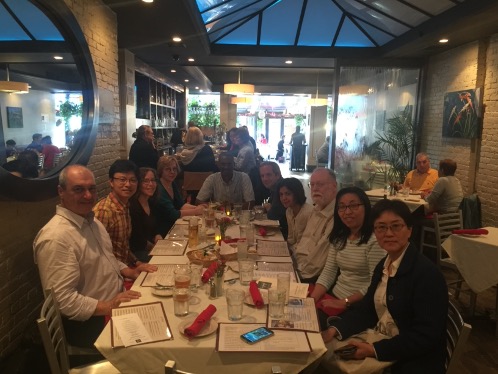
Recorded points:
(148, 181)
(395, 227)
(317, 184)
(122, 181)
(352, 207)
(173, 170)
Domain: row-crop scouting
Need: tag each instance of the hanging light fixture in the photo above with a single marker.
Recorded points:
(316, 101)
(242, 100)
(11, 86)
(238, 88)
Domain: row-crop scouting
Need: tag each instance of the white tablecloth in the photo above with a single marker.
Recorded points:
(199, 355)
(412, 201)
(476, 258)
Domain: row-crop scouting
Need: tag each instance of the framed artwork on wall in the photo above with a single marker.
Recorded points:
(14, 117)
(461, 113)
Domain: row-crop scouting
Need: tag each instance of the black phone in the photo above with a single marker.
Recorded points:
(347, 351)
(257, 335)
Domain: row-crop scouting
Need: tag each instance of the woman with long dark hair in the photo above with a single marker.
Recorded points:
(353, 255)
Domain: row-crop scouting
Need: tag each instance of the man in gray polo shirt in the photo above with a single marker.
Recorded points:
(227, 185)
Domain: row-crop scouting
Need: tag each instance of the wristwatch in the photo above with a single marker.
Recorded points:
(348, 304)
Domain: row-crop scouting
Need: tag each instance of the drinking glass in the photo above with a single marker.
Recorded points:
(237, 210)
(235, 303)
(183, 276)
(246, 271)
(195, 279)
(193, 232)
(259, 212)
(241, 249)
(245, 217)
(283, 283)
(276, 299)
(180, 301)
(250, 234)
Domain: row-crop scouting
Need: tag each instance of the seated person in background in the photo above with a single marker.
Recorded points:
(271, 177)
(170, 205)
(10, 148)
(28, 164)
(74, 255)
(310, 253)
(423, 177)
(178, 136)
(49, 150)
(322, 154)
(196, 156)
(298, 211)
(35, 145)
(227, 185)
(353, 255)
(251, 139)
(143, 152)
(447, 194)
(245, 160)
(143, 222)
(280, 148)
(407, 301)
(231, 147)
(113, 211)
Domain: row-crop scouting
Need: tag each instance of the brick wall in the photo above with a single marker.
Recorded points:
(20, 291)
(469, 66)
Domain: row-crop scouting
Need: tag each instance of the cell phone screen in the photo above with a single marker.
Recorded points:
(254, 336)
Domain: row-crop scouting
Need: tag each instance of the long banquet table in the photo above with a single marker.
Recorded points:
(476, 258)
(414, 202)
(199, 355)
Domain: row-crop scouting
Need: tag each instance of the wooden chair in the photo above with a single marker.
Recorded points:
(192, 183)
(57, 158)
(41, 161)
(441, 227)
(457, 332)
(54, 342)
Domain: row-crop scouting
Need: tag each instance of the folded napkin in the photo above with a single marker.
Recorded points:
(256, 295)
(470, 232)
(328, 310)
(209, 272)
(200, 321)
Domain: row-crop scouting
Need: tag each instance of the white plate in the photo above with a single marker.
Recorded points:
(249, 301)
(210, 327)
(471, 235)
(162, 293)
(268, 233)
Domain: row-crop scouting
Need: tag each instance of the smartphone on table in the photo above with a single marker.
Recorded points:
(256, 335)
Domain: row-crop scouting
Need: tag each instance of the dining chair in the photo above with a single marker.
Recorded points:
(457, 333)
(56, 347)
(170, 368)
(441, 226)
(192, 183)
(41, 161)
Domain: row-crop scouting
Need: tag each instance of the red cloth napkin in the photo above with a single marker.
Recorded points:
(200, 321)
(470, 232)
(326, 309)
(256, 295)
(209, 272)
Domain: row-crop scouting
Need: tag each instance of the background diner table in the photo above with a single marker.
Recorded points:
(414, 202)
(476, 258)
(199, 355)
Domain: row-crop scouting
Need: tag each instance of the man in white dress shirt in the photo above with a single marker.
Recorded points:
(74, 256)
(311, 251)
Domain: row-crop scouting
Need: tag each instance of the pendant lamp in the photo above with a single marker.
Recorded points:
(238, 88)
(13, 87)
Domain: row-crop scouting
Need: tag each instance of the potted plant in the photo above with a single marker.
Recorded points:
(68, 109)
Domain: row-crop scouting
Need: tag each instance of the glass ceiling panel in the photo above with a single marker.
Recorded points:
(247, 34)
(400, 11)
(10, 30)
(351, 36)
(431, 6)
(319, 24)
(206, 4)
(380, 37)
(280, 24)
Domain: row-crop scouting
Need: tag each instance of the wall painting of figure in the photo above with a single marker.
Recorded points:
(462, 114)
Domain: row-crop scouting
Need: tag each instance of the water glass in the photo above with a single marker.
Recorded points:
(235, 303)
(259, 212)
(283, 284)
(193, 232)
(180, 301)
(183, 276)
(276, 299)
(245, 217)
(250, 234)
(241, 249)
(195, 280)
(237, 210)
(246, 271)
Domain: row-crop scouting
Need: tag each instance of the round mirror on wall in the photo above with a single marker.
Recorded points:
(43, 51)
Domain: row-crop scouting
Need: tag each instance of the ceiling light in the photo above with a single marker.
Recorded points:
(186, 80)
(148, 1)
(316, 101)
(288, 62)
(443, 40)
(242, 100)
(191, 59)
(177, 39)
(13, 87)
(173, 70)
(238, 88)
(58, 58)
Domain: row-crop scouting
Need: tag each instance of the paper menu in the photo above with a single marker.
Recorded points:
(164, 276)
(168, 247)
(130, 329)
(275, 266)
(300, 315)
(228, 340)
(272, 248)
(153, 318)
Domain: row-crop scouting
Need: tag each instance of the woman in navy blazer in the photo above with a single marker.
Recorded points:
(407, 300)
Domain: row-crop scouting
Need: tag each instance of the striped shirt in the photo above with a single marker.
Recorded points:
(115, 217)
(356, 264)
(238, 190)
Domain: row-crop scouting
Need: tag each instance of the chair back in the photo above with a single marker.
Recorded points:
(444, 224)
(52, 335)
(41, 161)
(57, 159)
(471, 210)
(457, 333)
(192, 183)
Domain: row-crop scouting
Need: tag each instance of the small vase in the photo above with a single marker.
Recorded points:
(222, 232)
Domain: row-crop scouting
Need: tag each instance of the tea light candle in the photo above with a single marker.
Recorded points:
(217, 239)
(228, 213)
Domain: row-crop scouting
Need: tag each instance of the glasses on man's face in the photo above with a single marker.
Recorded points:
(148, 181)
(122, 181)
(395, 227)
(317, 184)
(352, 207)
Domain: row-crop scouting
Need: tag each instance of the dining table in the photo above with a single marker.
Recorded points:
(199, 355)
(413, 201)
(476, 258)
